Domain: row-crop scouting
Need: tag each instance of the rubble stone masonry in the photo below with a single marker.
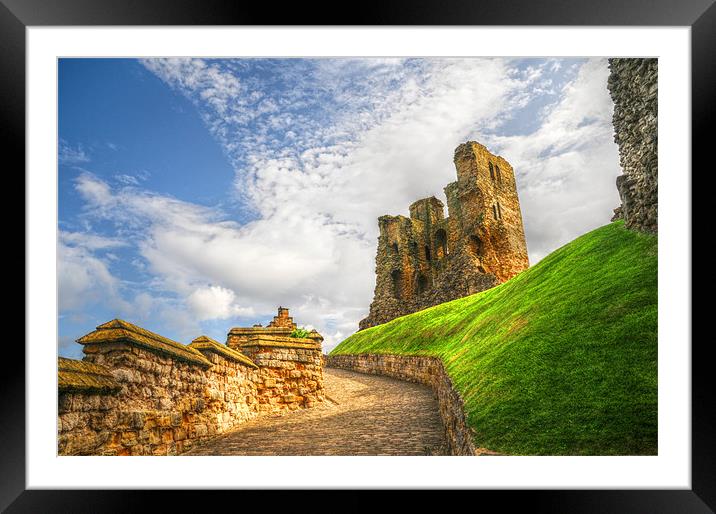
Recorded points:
(633, 86)
(137, 393)
(428, 259)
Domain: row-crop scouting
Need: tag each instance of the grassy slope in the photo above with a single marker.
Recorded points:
(560, 360)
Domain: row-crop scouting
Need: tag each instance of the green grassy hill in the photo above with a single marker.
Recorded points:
(560, 360)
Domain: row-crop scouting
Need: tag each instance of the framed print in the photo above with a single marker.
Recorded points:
(193, 171)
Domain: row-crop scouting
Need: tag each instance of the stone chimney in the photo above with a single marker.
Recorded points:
(282, 320)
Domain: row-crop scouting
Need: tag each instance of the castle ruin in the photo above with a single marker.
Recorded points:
(428, 259)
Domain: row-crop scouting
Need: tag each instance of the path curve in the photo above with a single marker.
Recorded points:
(364, 415)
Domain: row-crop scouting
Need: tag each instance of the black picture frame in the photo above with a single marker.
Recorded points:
(700, 15)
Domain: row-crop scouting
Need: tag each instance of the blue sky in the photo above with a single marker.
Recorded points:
(196, 195)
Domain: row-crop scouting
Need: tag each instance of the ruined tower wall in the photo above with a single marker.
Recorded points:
(429, 259)
(633, 87)
(492, 213)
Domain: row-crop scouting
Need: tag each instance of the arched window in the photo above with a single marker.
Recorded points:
(397, 279)
(494, 211)
(422, 284)
(427, 253)
(497, 171)
(492, 171)
(441, 243)
(394, 248)
(475, 245)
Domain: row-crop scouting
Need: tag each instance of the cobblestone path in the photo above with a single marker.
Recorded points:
(364, 415)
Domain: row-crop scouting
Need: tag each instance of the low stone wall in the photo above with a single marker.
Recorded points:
(424, 370)
(136, 393)
(163, 407)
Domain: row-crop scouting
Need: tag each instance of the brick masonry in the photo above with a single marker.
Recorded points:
(137, 393)
(423, 370)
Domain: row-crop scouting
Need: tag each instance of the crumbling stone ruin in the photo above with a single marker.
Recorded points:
(428, 259)
(632, 85)
(138, 393)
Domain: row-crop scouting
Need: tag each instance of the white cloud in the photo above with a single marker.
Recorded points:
(68, 154)
(129, 180)
(566, 170)
(215, 302)
(84, 278)
(90, 241)
(95, 192)
(186, 245)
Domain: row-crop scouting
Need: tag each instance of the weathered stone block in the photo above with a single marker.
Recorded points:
(167, 436)
(175, 419)
(160, 450)
(70, 420)
(179, 434)
(155, 436)
(129, 438)
(200, 405)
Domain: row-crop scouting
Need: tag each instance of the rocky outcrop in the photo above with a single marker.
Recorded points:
(632, 85)
(428, 259)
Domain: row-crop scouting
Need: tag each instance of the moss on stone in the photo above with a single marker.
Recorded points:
(119, 330)
(85, 377)
(208, 344)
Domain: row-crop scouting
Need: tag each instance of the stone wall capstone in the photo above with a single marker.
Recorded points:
(633, 87)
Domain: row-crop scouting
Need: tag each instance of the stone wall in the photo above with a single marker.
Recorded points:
(423, 370)
(290, 372)
(633, 87)
(163, 407)
(428, 259)
(88, 424)
(137, 393)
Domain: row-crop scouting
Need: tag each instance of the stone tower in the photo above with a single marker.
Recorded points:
(428, 259)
